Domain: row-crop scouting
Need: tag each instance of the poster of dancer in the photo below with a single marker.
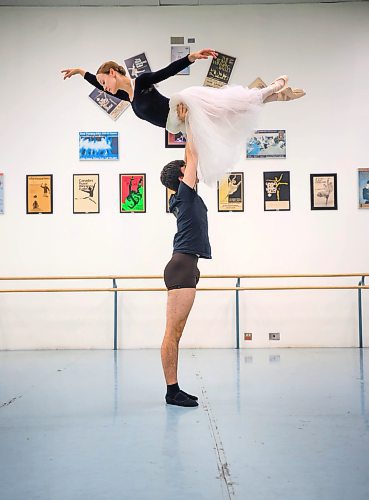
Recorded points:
(98, 146)
(39, 194)
(1, 193)
(174, 140)
(178, 52)
(137, 65)
(132, 193)
(363, 188)
(113, 106)
(267, 144)
(231, 193)
(277, 191)
(220, 71)
(323, 191)
(86, 194)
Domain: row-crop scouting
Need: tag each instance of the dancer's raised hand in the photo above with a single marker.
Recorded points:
(202, 54)
(72, 71)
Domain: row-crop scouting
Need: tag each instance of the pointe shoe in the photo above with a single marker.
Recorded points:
(289, 94)
(283, 77)
(258, 83)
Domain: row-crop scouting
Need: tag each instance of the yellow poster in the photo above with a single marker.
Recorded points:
(39, 194)
(231, 193)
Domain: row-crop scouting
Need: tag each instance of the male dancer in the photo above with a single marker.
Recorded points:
(181, 274)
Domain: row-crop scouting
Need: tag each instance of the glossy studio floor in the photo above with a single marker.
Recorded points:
(289, 424)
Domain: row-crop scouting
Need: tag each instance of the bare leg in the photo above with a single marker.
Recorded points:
(179, 305)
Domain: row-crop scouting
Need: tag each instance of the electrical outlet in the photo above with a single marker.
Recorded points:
(247, 336)
(274, 336)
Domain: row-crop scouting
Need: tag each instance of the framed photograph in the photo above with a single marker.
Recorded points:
(178, 52)
(112, 106)
(1, 193)
(267, 144)
(168, 194)
(137, 65)
(98, 146)
(132, 193)
(220, 71)
(175, 140)
(86, 194)
(363, 188)
(231, 193)
(277, 191)
(323, 191)
(39, 194)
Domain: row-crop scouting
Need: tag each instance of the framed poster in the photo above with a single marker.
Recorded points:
(39, 194)
(363, 188)
(267, 144)
(1, 193)
(178, 52)
(132, 193)
(98, 146)
(220, 71)
(231, 193)
(168, 194)
(175, 140)
(137, 65)
(277, 191)
(323, 191)
(113, 106)
(86, 194)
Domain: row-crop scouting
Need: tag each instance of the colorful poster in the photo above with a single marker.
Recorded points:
(323, 191)
(113, 106)
(98, 146)
(39, 194)
(231, 193)
(276, 191)
(175, 140)
(1, 193)
(86, 194)
(137, 65)
(178, 52)
(363, 188)
(132, 193)
(220, 71)
(267, 144)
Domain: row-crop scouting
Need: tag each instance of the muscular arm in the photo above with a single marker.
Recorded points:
(190, 173)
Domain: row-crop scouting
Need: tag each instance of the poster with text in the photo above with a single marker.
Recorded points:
(323, 191)
(98, 146)
(363, 188)
(113, 106)
(132, 193)
(86, 194)
(276, 191)
(39, 194)
(267, 144)
(220, 71)
(175, 140)
(178, 52)
(137, 65)
(1, 193)
(231, 193)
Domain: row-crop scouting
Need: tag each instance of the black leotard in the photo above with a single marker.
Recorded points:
(148, 104)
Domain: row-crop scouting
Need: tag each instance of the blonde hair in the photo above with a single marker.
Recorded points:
(107, 66)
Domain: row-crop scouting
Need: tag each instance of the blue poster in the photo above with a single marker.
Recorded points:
(1, 193)
(363, 188)
(98, 146)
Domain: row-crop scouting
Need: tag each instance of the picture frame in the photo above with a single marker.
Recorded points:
(86, 194)
(132, 193)
(267, 144)
(363, 178)
(277, 195)
(175, 140)
(323, 191)
(98, 146)
(111, 105)
(1, 193)
(230, 192)
(39, 194)
(178, 52)
(219, 71)
(137, 65)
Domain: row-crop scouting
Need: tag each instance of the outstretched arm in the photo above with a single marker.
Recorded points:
(191, 159)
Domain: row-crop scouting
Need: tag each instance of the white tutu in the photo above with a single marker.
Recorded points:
(219, 121)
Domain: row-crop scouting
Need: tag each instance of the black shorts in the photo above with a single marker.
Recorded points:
(181, 271)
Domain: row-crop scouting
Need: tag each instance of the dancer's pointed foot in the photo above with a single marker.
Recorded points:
(289, 94)
(280, 83)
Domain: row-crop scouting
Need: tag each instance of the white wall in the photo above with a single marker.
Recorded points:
(323, 48)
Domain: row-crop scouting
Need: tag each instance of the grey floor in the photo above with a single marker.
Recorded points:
(272, 424)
